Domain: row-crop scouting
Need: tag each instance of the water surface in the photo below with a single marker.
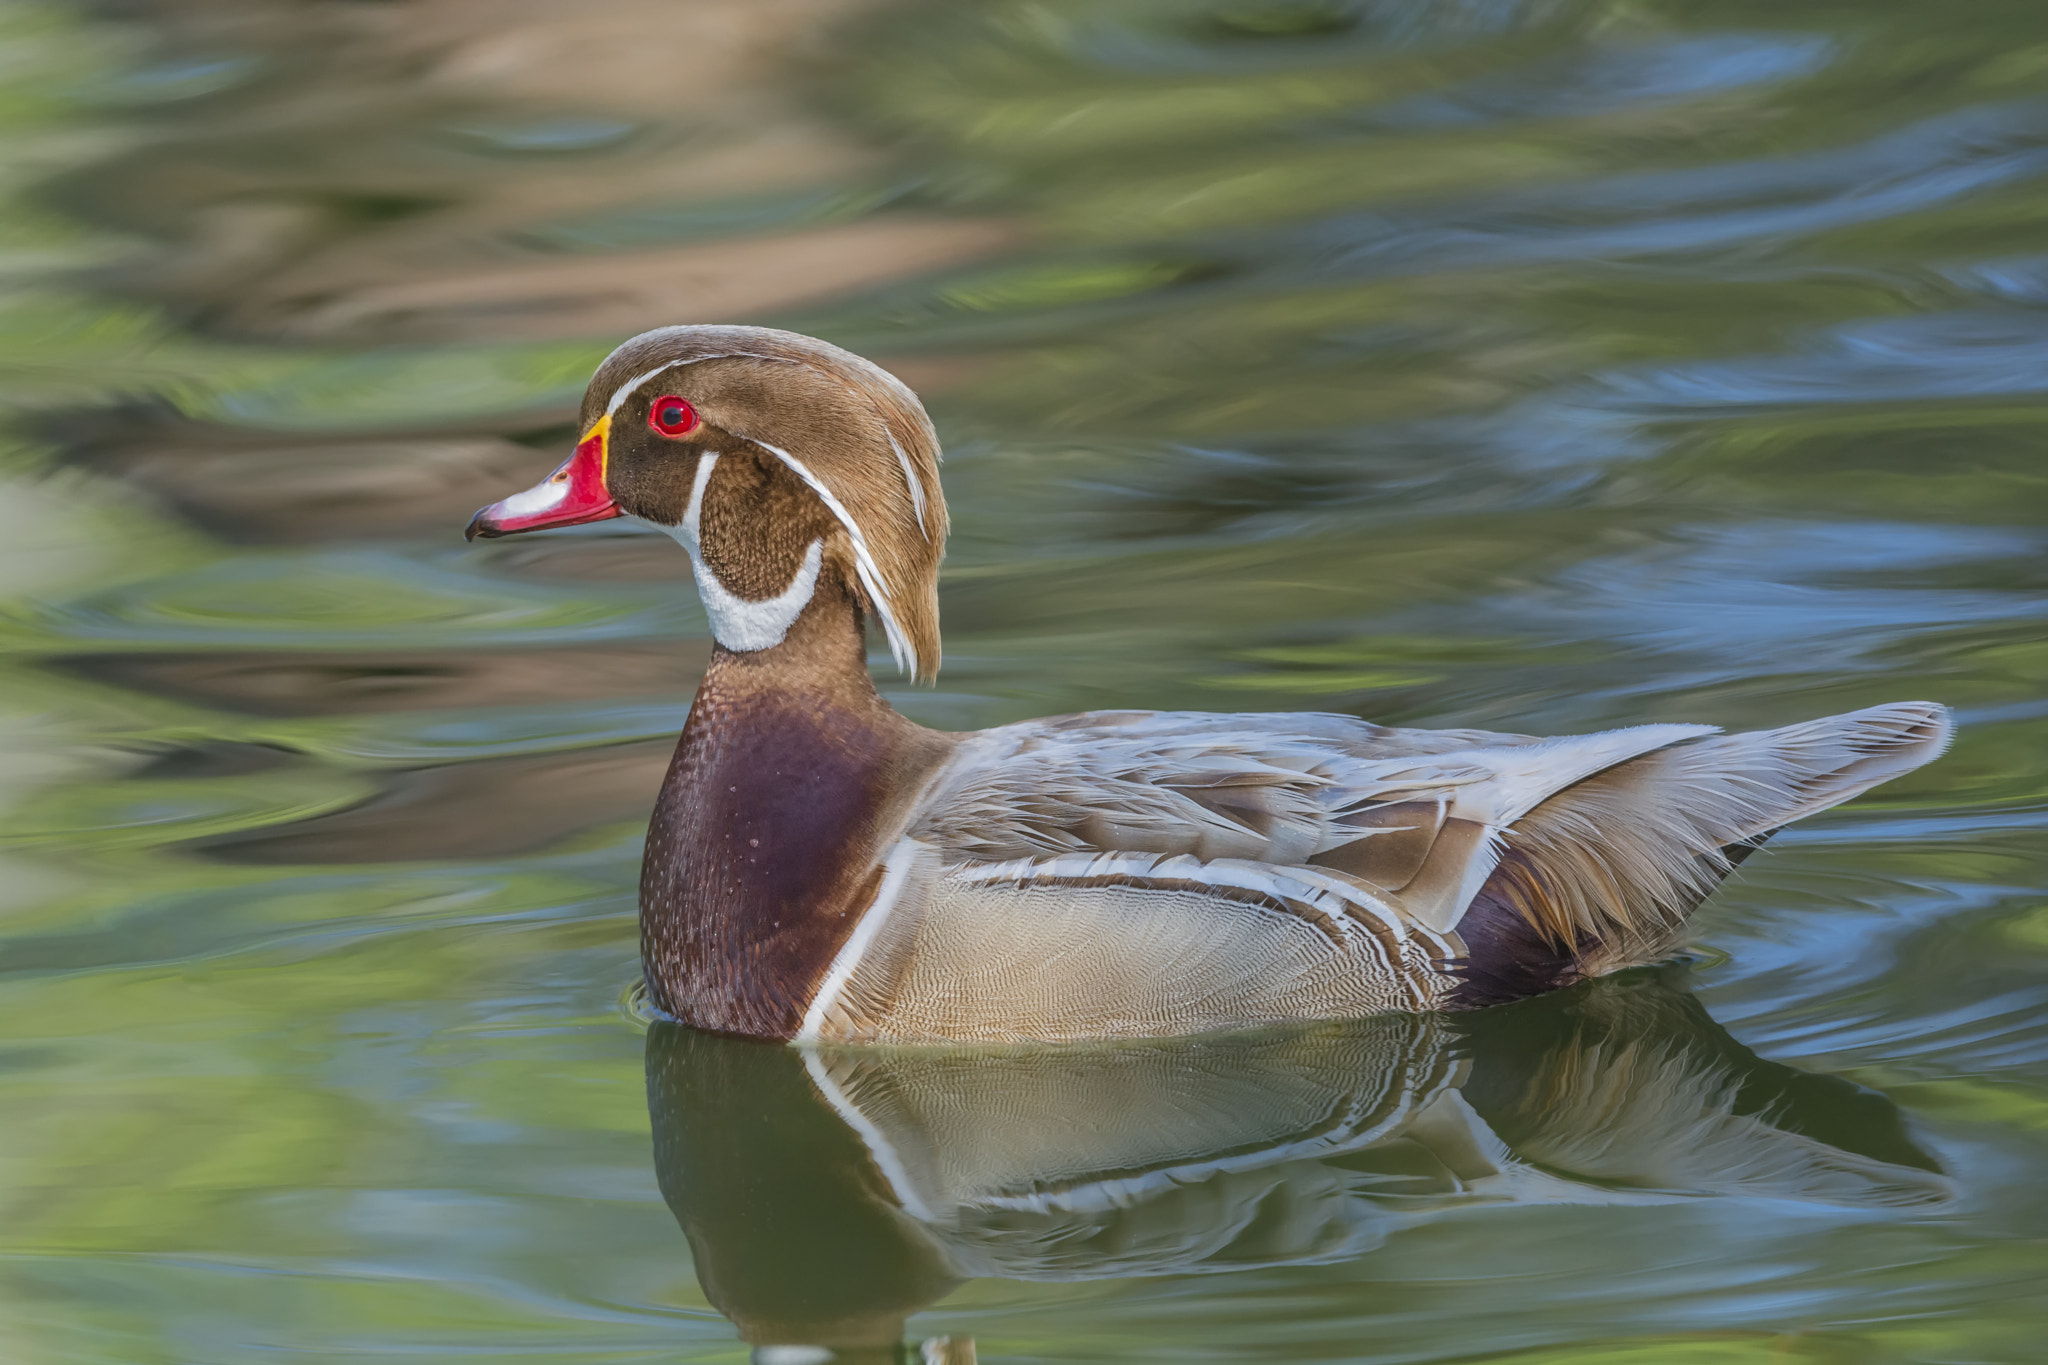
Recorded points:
(1543, 365)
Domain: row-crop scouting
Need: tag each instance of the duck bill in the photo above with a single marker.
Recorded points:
(571, 496)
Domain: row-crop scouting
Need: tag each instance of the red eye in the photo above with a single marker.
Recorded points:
(671, 416)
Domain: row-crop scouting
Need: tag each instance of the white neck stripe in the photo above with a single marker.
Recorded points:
(744, 626)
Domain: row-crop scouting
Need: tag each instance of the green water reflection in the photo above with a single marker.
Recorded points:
(827, 1197)
(1535, 364)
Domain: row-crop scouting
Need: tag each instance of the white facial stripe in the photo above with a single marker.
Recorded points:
(864, 562)
(625, 390)
(910, 477)
(737, 623)
(538, 498)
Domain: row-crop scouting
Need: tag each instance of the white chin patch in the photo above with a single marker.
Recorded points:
(737, 623)
(745, 626)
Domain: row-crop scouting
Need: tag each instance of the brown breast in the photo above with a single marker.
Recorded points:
(785, 793)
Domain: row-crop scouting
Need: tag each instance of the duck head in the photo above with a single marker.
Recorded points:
(791, 471)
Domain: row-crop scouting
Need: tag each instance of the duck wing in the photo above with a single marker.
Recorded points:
(1612, 836)
(1412, 815)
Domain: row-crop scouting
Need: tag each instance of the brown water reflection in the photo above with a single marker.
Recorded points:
(445, 171)
(362, 682)
(1542, 366)
(829, 1196)
(272, 487)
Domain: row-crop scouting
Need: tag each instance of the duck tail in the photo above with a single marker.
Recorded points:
(1601, 875)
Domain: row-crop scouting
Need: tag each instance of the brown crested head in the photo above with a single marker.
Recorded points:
(779, 461)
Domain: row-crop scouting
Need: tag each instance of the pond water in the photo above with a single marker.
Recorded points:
(1542, 365)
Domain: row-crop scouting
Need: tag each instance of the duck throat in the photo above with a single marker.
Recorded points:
(743, 624)
(791, 781)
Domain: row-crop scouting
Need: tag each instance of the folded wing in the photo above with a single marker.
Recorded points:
(1587, 851)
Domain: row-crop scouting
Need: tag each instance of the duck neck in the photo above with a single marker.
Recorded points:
(792, 779)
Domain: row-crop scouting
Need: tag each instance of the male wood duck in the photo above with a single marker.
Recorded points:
(821, 869)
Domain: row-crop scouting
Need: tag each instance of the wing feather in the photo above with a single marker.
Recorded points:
(1277, 789)
(1615, 836)
(1624, 855)
(1413, 814)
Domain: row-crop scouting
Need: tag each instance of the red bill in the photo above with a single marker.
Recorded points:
(571, 496)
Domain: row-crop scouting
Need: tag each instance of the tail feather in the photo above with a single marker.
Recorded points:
(1611, 865)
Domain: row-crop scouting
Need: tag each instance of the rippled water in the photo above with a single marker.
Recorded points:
(1535, 364)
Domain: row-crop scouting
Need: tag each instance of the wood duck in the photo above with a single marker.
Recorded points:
(821, 869)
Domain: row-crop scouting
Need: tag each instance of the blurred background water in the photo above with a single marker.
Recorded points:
(1532, 364)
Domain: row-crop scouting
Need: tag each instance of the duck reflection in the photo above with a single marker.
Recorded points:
(829, 1194)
